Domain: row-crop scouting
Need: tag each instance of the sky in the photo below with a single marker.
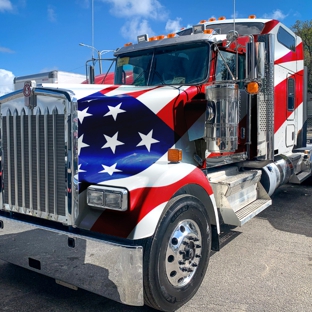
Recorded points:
(43, 35)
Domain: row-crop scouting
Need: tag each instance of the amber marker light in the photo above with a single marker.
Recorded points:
(212, 19)
(128, 44)
(174, 155)
(202, 21)
(208, 31)
(152, 39)
(160, 37)
(252, 16)
(221, 18)
(172, 35)
(252, 87)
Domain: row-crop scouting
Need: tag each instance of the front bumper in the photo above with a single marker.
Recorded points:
(111, 270)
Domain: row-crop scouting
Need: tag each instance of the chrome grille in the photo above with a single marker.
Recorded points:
(34, 163)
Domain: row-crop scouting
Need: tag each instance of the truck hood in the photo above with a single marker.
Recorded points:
(124, 130)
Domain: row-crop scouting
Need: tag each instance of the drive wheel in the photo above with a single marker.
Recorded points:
(176, 256)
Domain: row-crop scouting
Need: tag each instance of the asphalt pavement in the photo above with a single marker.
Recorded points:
(266, 265)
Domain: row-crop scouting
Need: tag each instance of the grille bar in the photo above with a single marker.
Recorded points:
(34, 163)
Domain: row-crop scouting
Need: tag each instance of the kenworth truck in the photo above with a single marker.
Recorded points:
(120, 189)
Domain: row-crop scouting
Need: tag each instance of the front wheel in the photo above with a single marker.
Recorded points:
(176, 256)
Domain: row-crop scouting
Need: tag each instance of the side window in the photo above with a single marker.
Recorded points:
(286, 39)
(291, 94)
(229, 59)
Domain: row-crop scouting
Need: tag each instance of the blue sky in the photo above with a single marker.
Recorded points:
(38, 36)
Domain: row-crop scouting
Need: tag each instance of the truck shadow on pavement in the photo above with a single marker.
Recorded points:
(291, 210)
(30, 291)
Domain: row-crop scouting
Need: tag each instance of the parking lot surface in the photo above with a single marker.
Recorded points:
(264, 266)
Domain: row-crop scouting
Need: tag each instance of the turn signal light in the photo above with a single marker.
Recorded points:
(174, 155)
(252, 87)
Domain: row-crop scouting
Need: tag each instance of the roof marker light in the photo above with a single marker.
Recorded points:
(128, 44)
(202, 21)
(253, 16)
(160, 37)
(222, 18)
(212, 19)
(152, 39)
(172, 35)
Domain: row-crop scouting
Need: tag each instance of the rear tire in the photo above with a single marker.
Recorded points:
(177, 255)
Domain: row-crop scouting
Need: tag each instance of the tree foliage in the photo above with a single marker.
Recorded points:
(303, 29)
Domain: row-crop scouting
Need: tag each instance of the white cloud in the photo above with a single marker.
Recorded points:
(173, 25)
(277, 14)
(5, 5)
(135, 27)
(51, 14)
(83, 3)
(6, 81)
(6, 50)
(134, 8)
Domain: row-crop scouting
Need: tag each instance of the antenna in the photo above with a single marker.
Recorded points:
(92, 27)
(234, 14)
(236, 67)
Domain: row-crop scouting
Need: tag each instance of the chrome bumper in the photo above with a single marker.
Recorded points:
(111, 270)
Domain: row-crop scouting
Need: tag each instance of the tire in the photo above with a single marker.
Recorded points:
(177, 255)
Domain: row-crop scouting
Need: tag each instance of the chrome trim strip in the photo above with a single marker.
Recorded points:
(54, 112)
(22, 155)
(46, 160)
(31, 206)
(38, 113)
(9, 158)
(112, 270)
(15, 205)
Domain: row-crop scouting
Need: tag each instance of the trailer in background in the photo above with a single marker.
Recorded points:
(54, 76)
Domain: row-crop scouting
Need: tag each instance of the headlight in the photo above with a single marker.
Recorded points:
(107, 198)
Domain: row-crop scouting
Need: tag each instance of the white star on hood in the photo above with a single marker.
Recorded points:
(81, 144)
(114, 111)
(83, 114)
(147, 140)
(110, 170)
(112, 142)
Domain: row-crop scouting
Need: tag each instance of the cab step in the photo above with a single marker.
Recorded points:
(239, 195)
(300, 177)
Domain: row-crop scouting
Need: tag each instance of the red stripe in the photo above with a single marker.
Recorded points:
(281, 113)
(109, 89)
(292, 56)
(173, 113)
(269, 26)
(143, 201)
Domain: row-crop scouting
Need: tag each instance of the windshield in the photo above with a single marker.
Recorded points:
(172, 65)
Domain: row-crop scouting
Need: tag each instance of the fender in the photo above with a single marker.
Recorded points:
(150, 192)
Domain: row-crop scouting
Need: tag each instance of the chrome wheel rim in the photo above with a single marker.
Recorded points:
(183, 253)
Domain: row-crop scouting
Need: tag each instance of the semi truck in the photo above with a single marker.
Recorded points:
(120, 188)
